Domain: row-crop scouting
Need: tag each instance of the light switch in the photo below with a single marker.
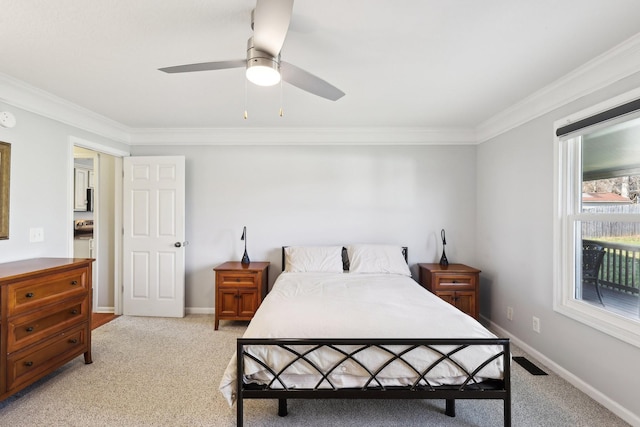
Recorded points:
(36, 235)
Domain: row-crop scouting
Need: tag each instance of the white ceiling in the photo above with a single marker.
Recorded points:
(402, 63)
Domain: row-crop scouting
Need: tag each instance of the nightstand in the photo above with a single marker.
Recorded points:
(457, 284)
(240, 288)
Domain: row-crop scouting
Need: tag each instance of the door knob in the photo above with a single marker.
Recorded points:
(180, 244)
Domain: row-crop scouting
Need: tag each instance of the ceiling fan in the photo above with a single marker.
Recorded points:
(270, 22)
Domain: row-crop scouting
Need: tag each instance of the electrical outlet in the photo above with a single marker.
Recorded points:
(510, 313)
(36, 235)
(536, 324)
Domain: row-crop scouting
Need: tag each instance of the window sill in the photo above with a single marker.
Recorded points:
(620, 327)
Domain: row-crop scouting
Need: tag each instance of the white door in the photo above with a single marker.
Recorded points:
(153, 241)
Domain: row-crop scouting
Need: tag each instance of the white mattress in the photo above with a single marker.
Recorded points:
(344, 305)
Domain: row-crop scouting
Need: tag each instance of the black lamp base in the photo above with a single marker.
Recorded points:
(443, 259)
(245, 258)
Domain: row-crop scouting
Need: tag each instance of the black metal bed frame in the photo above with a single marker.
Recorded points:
(373, 388)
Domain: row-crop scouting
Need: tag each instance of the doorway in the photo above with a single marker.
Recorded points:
(100, 169)
(86, 191)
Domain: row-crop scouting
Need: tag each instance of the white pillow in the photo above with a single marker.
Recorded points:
(313, 259)
(377, 259)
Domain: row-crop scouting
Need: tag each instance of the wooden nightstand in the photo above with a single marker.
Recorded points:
(239, 290)
(457, 284)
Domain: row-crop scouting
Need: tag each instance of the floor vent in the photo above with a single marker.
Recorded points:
(528, 365)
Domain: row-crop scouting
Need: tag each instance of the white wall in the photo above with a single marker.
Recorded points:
(305, 195)
(514, 250)
(41, 180)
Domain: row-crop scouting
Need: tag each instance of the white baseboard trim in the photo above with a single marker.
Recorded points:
(606, 401)
(199, 310)
(187, 310)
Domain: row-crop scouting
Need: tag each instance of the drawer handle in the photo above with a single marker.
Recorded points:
(29, 329)
(29, 363)
(237, 279)
(29, 295)
(455, 281)
(73, 341)
(74, 311)
(74, 282)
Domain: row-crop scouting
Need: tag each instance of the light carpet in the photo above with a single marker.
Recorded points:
(165, 372)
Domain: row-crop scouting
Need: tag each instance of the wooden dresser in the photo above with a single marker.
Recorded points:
(45, 318)
(240, 289)
(457, 284)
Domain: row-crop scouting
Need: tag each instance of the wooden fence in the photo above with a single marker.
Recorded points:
(601, 229)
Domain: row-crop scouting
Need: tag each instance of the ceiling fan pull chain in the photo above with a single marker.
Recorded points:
(245, 100)
(281, 113)
(281, 97)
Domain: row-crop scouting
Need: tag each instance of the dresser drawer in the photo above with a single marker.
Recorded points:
(34, 293)
(30, 328)
(231, 279)
(24, 366)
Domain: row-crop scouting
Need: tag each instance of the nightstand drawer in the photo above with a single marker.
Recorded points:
(245, 279)
(457, 281)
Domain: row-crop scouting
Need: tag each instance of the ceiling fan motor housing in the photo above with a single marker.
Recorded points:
(263, 68)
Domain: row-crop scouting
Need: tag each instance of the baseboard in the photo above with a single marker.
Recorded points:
(199, 310)
(607, 402)
(187, 310)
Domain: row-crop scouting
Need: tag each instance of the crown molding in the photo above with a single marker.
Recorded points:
(610, 67)
(606, 69)
(29, 98)
(303, 136)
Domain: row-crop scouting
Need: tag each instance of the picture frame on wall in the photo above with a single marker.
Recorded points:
(5, 176)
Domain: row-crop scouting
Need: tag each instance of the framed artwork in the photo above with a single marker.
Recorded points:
(5, 175)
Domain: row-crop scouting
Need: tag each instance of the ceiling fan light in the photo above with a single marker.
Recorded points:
(263, 71)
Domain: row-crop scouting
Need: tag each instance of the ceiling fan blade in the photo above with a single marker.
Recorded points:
(205, 66)
(308, 82)
(271, 20)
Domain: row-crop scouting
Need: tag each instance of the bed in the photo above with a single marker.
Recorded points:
(351, 323)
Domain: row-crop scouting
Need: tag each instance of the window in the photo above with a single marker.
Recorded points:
(597, 227)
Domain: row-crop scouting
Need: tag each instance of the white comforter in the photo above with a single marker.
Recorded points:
(343, 305)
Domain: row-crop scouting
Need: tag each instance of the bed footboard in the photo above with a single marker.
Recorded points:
(397, 350)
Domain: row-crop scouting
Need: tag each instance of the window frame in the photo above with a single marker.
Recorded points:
(566, 232)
